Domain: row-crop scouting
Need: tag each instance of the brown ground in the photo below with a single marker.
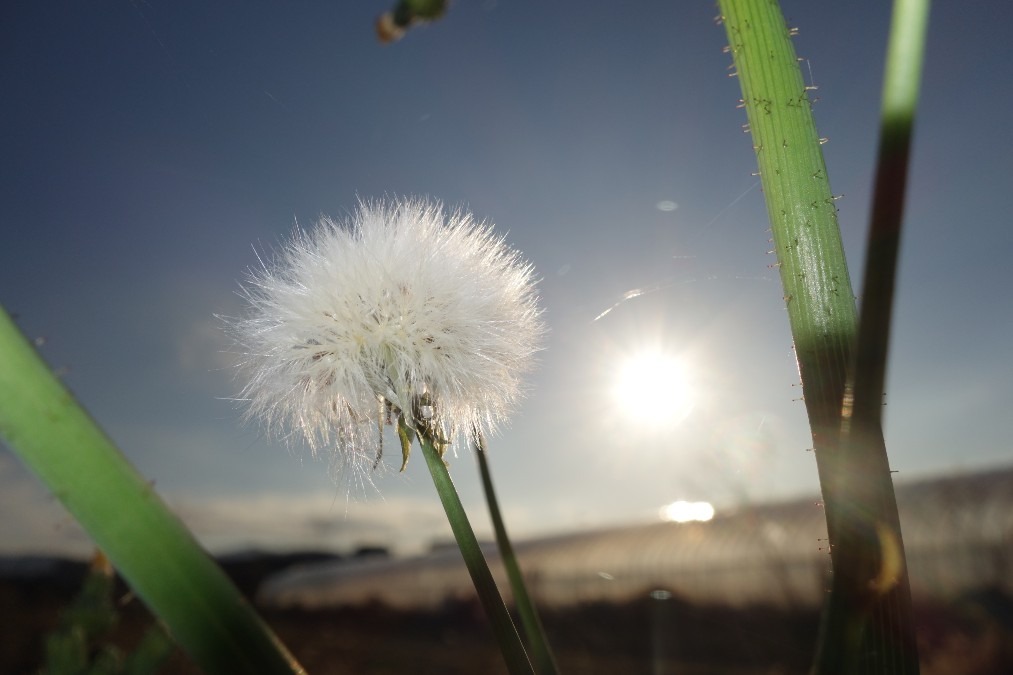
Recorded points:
(973, 637)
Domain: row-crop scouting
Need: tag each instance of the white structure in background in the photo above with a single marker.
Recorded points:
(958, 533)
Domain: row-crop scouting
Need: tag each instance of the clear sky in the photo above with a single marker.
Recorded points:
(150, 147)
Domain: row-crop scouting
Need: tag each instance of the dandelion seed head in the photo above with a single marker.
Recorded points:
(400, 302)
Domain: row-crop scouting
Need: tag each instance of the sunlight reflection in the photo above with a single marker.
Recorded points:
(684, 512)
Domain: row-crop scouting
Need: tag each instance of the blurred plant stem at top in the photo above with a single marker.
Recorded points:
(867, 624)
(75, 646)
(393, 24)
(156, 555)
(499, 618)
(530, 621)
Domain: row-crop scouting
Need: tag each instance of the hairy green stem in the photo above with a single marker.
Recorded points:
(867, 623)
(530, 621)
(502, 625)
(148, 545)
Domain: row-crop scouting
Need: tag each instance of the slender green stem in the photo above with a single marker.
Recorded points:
(867, 624)
(150, 547)
(530, 621)
(502, 625)
(901, 84)
(880, 584)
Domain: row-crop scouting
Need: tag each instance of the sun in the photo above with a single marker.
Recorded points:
(653, 388)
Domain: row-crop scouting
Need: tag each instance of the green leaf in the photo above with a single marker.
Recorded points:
(144, 540)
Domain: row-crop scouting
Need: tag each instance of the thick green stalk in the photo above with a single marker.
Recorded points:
(801, 208)
(530, 621)
(867, 624)
(147, 544)
(502, 625)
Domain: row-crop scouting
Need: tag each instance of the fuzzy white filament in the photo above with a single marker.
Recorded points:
(399, 304)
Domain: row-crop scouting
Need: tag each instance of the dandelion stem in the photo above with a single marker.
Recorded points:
(530, 621)
(502, 625)
(148, 545)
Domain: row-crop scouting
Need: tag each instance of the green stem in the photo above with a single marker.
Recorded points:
(901, 84)
(867, 624)
(802, 211)
(147, 544)
(502, 625)
(530, 621)
(867, 502)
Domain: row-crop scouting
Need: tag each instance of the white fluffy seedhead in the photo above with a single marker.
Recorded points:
(397, 304)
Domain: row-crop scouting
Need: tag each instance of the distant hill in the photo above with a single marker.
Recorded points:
(958, 533)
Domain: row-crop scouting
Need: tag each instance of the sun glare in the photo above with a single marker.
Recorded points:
(652, 388)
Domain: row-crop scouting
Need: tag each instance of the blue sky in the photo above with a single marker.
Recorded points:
(150, 147)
